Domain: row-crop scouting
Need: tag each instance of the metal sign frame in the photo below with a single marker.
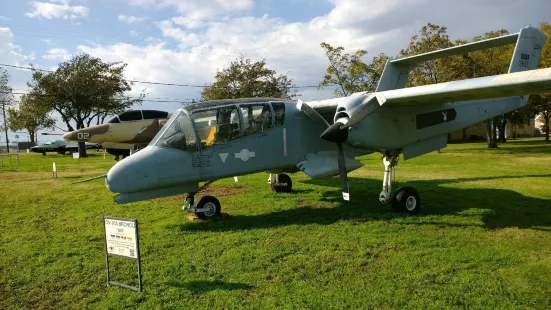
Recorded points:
(138, 260)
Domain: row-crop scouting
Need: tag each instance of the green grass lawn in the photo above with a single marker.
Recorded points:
(483, 239)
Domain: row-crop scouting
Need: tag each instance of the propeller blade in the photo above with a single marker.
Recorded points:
(342, 171)
(91, 179)
(313, 114)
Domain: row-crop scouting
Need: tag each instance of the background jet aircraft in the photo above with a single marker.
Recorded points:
(124, 132)
(61, 147)
(322, 138)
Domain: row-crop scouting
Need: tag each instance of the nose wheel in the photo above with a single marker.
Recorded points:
(208, 207)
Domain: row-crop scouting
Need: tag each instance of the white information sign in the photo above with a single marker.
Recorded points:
(121, 237)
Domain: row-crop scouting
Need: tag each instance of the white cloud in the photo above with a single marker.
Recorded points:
(132, 19)
(211, 41)
(3, 18)
(9, 52)
(134, 33)
(56, 9)
(60, 54)
(195, 12)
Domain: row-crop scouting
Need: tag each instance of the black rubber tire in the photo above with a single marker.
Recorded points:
(210, 201)
(283, 178)
(399, 202)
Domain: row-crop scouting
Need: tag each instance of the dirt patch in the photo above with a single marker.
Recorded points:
(313, 205)
(221, 191)
(218, 191)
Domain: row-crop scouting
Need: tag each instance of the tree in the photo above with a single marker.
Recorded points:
(82, 89)
(6, 99)
(432, 37)
(245, 79)
(349, 73)
(32, 115)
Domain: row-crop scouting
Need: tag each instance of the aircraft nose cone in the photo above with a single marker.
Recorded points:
(135, 173)
(70, 136)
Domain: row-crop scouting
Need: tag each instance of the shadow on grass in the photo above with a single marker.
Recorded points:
(204, 286)
(497, 208)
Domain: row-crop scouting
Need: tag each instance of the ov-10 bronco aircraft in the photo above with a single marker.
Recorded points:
(124, 132)
(208, 141)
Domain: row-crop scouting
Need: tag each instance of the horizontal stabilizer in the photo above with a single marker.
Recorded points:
(458, 50)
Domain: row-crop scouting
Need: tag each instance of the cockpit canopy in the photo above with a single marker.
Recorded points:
(201, 126)
(138, 115)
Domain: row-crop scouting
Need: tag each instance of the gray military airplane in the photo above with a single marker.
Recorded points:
(208, 141)
(60, 147)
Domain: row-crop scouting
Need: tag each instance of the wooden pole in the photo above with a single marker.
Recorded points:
(5, 125)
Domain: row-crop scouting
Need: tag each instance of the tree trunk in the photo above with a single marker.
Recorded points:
(81, 145)
(502, 126)
(31, 134)
(491, 142)
(494, 131)
(82, 149)
(547, 127)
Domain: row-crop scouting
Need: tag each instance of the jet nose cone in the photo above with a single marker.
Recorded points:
(69, 136)
(135, 173)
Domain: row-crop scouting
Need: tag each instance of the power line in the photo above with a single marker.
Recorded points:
(116, 99)
(145, 82)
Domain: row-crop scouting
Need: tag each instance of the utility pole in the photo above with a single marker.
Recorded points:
(5, 125)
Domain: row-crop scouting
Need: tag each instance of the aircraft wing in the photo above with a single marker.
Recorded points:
(504, 85)
(497, 86)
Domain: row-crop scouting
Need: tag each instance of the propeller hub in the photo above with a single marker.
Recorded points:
(335, 133)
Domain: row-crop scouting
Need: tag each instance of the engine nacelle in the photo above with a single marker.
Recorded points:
(356, 107)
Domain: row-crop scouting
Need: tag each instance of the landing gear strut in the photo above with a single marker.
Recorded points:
(281, 183)
(206, 208)
(405, 199)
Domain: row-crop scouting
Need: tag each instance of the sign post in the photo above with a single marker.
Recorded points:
(122, 239)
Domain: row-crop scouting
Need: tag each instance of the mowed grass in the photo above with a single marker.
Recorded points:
(483, 239)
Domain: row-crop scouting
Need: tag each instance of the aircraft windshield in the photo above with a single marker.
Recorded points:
(179, 133)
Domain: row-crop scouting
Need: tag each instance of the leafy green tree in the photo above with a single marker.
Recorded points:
(6, 99)
(431, 37)
(82, 89)
(349, 73)
(247, 79)
(32, 115)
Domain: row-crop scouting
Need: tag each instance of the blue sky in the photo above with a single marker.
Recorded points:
(185, 42)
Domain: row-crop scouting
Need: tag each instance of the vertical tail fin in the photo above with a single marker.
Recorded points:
(527, 50)
(527, 53)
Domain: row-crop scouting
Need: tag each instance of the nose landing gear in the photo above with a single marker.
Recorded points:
(208, 207)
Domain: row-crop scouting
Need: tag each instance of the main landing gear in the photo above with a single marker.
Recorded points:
(207, 207)
(280, 183)
(405, 199)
